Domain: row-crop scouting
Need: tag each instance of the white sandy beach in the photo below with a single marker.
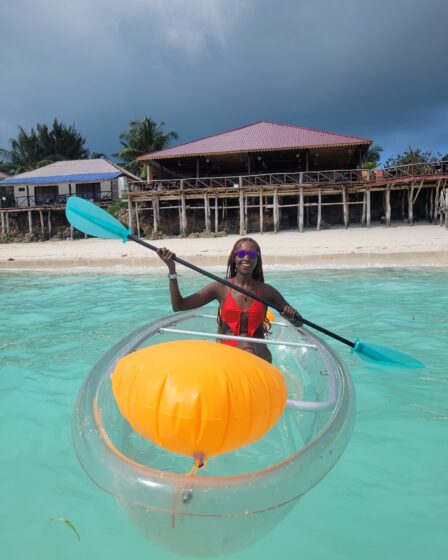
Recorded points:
(399, 245)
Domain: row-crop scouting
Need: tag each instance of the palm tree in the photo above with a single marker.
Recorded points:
(62, 142)
(43, 146)
(25, 153)
(143, 137)
(372, 158)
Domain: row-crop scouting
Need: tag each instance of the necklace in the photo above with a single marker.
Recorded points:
(244, 296)
(249, 289)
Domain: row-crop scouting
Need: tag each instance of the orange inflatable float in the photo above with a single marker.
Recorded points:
(198, 398)
(270, 316)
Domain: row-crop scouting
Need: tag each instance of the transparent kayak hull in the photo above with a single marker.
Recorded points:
(241, 495)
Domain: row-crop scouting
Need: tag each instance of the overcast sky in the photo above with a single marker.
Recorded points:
(371, 69)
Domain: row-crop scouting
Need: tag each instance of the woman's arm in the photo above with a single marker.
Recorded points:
(198, 299)
(288, 312)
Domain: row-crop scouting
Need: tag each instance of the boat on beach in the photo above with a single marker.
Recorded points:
(241, 495)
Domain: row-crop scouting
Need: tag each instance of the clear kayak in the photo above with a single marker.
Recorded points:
(240, 495)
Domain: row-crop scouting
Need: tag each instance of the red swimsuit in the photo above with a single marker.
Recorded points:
(231, 315)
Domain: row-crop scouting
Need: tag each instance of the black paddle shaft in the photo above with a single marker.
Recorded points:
(242, 290)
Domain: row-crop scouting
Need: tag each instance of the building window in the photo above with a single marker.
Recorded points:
(46, 195)
(89, 191)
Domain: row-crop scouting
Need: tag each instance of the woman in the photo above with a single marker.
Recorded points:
(238, 314)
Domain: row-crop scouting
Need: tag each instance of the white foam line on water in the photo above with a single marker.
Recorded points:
(157, 270)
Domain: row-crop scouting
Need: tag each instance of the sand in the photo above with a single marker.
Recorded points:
(398, 245)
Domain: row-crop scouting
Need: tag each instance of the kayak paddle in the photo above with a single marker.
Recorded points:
(92, 220)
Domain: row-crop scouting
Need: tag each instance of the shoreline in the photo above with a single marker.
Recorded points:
(367, 260)
(396, 246)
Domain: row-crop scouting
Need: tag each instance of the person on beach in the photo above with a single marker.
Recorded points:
(238, 314)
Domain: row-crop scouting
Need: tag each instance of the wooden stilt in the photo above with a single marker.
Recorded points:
(411, 205)
(368, 216)
(242, 224)
(30, 222)
(431, 206)
(261, 211)
(207, 213)
(301, 207)
(137, 220)
(130, 212)
(2, 214)
(246, 220)
(155, 213)
(42, 229)
(216, 213)
(72, 231)
(319, 208)
(276, 213)
(436, 201)
(444, 208)
(345, 206)
(279, 212)
(7, 222)
(49, 224)
(183, 214)
(364, 206)
(388, 207)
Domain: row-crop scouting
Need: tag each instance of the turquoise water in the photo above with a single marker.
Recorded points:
(387, 498)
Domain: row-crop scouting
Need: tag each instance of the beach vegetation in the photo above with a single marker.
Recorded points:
(116, 206)
(413, 155)
(42, 146)
(142, 137)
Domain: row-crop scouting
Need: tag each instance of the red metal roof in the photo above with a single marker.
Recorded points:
(261, 136)
(3, 175)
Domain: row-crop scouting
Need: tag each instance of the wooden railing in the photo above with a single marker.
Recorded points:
(266, 179)
(59, 200)
(333, 177)
(414, 170)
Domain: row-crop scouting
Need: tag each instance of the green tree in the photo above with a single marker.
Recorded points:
(142, 137)
(4, 168)
(62, 142)
(413, 155)
(372, 157)
(43, 146)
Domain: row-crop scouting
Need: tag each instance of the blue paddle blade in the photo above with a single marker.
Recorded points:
(377, 354)
(93, 220)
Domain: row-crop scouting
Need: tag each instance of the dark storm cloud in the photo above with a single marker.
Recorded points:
(376, 70)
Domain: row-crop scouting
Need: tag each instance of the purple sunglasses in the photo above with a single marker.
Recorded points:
(241, 253)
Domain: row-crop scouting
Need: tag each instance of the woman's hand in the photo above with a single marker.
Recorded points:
(292, 316)
(167, 257)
